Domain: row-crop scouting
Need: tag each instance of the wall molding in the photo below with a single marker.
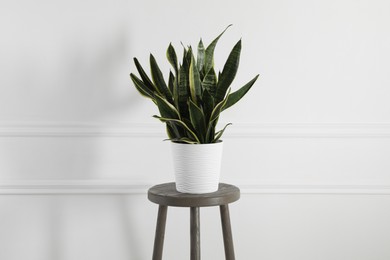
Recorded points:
(107, 187)
(238, 130)
(80, 129)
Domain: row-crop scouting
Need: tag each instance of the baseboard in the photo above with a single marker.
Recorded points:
(31, 187)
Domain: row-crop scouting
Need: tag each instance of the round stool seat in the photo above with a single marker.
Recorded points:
(167, 195)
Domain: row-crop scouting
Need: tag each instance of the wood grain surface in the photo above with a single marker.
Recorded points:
(167, 195)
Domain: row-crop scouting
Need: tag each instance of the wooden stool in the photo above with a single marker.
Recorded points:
(166, 195)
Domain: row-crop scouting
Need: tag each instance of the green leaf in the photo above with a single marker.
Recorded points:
(188, 57)
(184, 83)
(176, 131)
(214, 118)
(184, 140)
(171, 83)
(158, 79)
(208, 104)
(229, 72)
(220, 133)
(179, 123)
(218, 109)
(144, 76)
(183, 91)
(171, 131)
(172, 58)
(210, 82)
(195, 85)
(200, 58)
(211, 132)
(209, 53)
(141, 87)
(197, 120)
(184, 61)
(166, 109)
(187, 53)
(175, 92)
(237, 95)
(187, 121)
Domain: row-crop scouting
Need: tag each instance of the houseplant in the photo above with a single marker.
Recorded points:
(190, 104)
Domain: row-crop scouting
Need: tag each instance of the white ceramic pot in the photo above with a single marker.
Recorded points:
(197, 167)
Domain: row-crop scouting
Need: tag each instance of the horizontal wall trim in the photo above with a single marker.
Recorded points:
(238, 130)
(31, 187)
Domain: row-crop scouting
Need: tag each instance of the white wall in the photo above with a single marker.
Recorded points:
(309, 146)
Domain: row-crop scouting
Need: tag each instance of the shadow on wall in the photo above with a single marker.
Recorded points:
(99, 83)
(104, 226)
(86, 81)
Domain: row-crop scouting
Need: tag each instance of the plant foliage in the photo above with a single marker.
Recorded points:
(192, 99)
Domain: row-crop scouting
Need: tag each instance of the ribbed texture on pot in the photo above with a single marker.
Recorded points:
(197, 167)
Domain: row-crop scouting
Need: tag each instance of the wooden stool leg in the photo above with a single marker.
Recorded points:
(160, 232)
(227, 232)
(195, 233)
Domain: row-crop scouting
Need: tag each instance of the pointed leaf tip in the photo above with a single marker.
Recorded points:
(209, 52)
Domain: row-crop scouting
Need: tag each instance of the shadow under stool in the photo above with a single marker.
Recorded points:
(166, 195)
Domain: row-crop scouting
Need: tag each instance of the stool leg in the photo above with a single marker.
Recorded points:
(195, 233)
(227, 232)
(160, 232)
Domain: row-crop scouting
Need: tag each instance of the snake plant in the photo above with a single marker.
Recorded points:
(192, 99)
